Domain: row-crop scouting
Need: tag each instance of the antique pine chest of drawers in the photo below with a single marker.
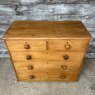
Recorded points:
(47, 50)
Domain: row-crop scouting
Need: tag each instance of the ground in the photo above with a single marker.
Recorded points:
(9, 85)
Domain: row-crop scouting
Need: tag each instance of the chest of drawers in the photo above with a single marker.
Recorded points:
(47, 50)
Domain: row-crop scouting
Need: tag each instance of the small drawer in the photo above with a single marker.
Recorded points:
(31, 66)
(28, 56)
(27, 76)
(26, 45)
(43, 76)
(68, 64)
(66, 56)
(68, 45)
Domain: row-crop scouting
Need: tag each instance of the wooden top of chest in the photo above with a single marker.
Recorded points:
(47, 30)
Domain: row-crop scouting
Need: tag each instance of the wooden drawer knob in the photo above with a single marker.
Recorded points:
(67, 46)
(66, 57)
(30, 67)
(32, 77)
(26, 46)
(62, 77)
(28, 57)
(64, 67)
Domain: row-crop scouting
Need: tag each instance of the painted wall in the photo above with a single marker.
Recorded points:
(83, 10)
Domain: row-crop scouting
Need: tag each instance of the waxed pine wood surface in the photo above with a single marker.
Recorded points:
(47, 67)
(46, 30)
(51, 56)
(48, 42)
(20, 64)
(53, 45)
(50, 76)
(18, 45)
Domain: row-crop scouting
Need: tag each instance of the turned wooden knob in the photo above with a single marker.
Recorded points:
(66, 57)
(67, 46)
(32, 77)
(26, 46)
(62, 77)
(30, 67)
(64, 67)
(28, 57)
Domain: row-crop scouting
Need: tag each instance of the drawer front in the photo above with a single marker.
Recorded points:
(66, 56)
(68, 45)
(26, 45)
(52, 45)
(45, 67)
(43, 76)
(68, 64)
(28, 56)
(41, 63)
(49, 56)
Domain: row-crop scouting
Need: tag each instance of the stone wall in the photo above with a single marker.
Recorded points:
(59, 10)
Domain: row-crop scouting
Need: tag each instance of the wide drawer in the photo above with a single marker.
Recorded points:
(46, 66)
(26, 45)
(68, 45)
(44, 76)
(50, 56)
(26, 63)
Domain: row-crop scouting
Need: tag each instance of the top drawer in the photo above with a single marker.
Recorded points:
(68, 45)
(26, 45)
(51, 45)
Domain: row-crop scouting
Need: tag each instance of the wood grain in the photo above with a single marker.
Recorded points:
(47, 66)
(47, 30)
(75, 45)
(47, 50)
(53, 45)
(18, 45)
(50, 76)
(43, 56)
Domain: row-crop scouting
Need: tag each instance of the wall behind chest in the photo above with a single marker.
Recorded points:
(83, 10)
